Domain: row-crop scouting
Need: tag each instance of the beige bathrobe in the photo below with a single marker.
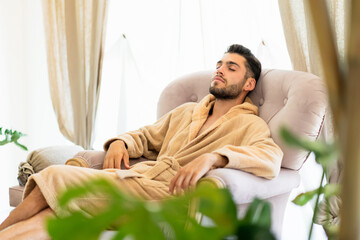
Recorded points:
(172, 142)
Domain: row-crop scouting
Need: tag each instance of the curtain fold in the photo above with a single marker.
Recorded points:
(75, 33)
(303, 49)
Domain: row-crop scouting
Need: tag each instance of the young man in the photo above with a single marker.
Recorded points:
(223, 130)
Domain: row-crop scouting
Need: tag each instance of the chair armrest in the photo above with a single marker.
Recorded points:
(88, 159)
(41, 158)
(95, 159)
(245, 186)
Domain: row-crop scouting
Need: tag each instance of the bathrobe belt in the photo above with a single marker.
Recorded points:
(161, 166)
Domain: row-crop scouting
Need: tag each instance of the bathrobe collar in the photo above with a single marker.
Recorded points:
(201, 112)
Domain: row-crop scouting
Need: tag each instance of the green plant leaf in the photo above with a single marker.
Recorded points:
(12, 136)
(254, 232)
(218, 205)
(3, 142)
(21, 146)
(74, 227)
(258, 213)
(304, 198)
(167, 219)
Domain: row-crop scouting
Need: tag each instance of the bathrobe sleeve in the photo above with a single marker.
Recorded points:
(146, 141)
(259, 155)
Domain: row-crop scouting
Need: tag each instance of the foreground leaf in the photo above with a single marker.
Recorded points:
(258, 213)
(132, 217)
(304, 198)
(254, 232)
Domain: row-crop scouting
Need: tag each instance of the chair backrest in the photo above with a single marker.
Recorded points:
(297, 100)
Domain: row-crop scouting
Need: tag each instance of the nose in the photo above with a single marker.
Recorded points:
(219, 71)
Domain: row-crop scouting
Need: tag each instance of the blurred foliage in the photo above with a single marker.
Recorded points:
(11, 136)
(325, 155)
(132, 218)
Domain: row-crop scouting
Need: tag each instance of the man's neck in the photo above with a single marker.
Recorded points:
(221, 107)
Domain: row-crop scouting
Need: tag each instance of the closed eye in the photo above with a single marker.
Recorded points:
(233, 66)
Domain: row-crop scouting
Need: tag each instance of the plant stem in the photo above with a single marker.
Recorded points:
(316, 204)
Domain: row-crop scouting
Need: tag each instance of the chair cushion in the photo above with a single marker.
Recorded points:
(293, 99)
(41, 158)
(189, 88)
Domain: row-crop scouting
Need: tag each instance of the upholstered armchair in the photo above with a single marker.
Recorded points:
(293, 99)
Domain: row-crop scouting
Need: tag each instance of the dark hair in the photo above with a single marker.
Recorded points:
(253, 65)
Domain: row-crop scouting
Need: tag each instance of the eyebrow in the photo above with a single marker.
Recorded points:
(229, 63)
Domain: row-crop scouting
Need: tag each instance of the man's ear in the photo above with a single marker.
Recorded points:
(250, 84)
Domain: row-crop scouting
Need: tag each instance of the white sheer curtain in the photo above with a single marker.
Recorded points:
(166, 39)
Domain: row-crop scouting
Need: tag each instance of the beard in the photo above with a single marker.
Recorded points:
(228, 92)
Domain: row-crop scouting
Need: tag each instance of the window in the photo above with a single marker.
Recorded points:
(150, 43)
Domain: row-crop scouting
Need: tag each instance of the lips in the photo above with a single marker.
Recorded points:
(218, 78)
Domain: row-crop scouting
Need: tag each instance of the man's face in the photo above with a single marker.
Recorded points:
(229, 77)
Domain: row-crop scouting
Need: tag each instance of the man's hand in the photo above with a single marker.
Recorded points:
(191, 173)
(116, 153)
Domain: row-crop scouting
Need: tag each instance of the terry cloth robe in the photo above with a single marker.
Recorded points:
(172, 142)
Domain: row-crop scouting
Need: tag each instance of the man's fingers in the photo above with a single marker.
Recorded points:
(178, 184)
(172, 184)
(183, 181)
(186, 183)
(111, 163)
(117, 162)
(106, 162)
(126, 160)
(193, 182)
